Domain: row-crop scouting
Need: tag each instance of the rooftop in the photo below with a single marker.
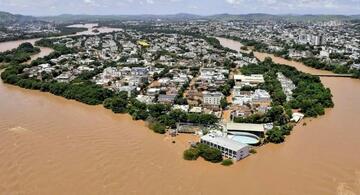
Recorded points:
(224, 142)
(251, 78)
(245, 127)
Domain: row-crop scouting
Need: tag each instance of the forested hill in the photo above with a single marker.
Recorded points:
(66, 18)
(8, 18)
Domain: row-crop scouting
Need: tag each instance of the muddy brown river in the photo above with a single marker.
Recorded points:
(50, 145)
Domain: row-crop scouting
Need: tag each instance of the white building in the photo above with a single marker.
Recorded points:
(296, 117)
(251, 80)
(228, 147)
(146, 99)
(257, 129)
(261, 95)
(212, 99)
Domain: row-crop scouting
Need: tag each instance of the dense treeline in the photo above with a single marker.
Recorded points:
(86, 92)
(83, 92)
(208, 153)
(316, 63)
(20, 54)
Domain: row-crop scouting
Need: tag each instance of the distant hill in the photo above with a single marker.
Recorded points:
(8, 18)
(357, 17)
(290, 18)
(66, 18)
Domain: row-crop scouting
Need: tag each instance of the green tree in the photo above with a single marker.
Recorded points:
(191, 154)
(116, 104)
(158, 127)
(211, 154)
(223, 103)
(275, 136)
(156, 110)
(227, 162)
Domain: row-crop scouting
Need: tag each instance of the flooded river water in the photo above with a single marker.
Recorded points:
(50, 145)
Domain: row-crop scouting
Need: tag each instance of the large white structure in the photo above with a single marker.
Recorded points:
(257, 129)
(261, 95)
(212, 99)
(228, 147)
(252, 80)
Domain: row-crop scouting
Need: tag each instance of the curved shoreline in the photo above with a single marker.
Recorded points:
(235, 45)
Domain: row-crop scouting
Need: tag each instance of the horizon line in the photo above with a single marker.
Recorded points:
(185, 13)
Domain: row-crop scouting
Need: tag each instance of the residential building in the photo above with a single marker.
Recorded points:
(212, 98)
(166, 99)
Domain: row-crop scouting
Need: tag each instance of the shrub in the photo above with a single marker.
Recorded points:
(158, 127)
(252, 151)
(227, 162)
(191, 154)
(286, 129)
(210, 154)
(275, 135)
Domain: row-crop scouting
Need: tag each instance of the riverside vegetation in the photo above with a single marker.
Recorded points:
(19, 55)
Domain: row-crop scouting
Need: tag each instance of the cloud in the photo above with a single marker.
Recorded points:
(234, 2)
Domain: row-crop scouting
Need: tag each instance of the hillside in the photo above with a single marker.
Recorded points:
(69, 18)
(8, 18)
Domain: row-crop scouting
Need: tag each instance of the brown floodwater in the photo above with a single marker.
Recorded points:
(44, 51)
(50, 145)
(93, 26)
(4, 46)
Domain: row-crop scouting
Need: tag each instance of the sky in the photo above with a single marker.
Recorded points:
(201, 7)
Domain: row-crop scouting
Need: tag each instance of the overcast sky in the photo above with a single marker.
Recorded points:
(202, 7)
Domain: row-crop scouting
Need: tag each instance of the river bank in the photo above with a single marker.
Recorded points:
(50, 145)
(235, 45)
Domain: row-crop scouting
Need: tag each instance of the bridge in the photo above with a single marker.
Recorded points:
(335, 75)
